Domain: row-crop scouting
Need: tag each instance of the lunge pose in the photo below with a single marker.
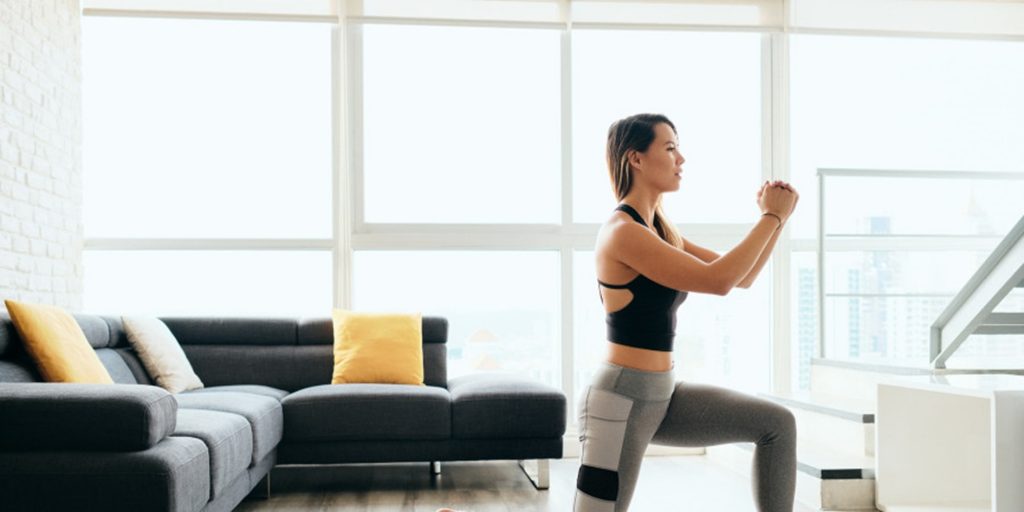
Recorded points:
(645, 270)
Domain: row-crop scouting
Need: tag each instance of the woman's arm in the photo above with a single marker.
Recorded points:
(767, 252)
(707, 256)
(761, 260)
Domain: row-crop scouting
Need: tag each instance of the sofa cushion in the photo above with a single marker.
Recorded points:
(119, 371)
(263, 413)
(254, 389)
(367, 412)
(18, 370)
(172, 476)
(228, 439)
(496, 406)
(57, 344)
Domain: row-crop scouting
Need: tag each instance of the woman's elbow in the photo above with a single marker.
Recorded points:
(723, 289)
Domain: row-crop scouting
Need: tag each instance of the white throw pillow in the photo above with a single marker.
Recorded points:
(161, 354)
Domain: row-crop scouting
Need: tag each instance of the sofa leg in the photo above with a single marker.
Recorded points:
(540, 475)
(435, 467)
(262, 489)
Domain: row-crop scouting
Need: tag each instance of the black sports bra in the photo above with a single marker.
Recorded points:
(649, 320)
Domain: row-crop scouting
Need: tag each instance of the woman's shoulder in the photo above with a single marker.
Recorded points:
(619, 229)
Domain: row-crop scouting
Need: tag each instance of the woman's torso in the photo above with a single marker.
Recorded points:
(632, 303)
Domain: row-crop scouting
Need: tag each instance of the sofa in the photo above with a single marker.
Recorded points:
(267, 402)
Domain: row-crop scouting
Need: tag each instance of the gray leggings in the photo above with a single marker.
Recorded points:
(625, 409)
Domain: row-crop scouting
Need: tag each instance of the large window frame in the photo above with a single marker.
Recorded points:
(350, 232)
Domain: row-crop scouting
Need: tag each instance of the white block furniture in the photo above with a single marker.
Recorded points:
(950, 443)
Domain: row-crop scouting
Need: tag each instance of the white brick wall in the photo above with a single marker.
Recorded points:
(40, 152)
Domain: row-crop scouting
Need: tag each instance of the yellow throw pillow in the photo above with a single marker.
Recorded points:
(57, 344)
(377, 348)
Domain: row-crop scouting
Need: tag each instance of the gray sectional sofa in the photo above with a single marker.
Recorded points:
(267, 402)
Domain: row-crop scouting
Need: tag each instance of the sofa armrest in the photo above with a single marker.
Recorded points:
(116, 417)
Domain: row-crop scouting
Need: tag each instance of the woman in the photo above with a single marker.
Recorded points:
(645, 270)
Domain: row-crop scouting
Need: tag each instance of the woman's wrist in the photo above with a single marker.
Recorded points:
(776, 218)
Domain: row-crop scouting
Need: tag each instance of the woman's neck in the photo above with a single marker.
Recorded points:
(643, 203)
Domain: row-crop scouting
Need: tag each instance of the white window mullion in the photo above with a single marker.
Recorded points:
(776, 53)
(568, 247)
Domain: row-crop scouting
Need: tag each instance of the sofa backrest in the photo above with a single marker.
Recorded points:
(284, 353)
(119, 359)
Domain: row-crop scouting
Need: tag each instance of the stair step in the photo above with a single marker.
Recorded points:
(859, 379)
(912, 367)
(970, 507)
(858, 411)
(833, 492)
(828, 464)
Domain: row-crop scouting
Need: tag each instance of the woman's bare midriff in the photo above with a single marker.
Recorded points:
(639, 358)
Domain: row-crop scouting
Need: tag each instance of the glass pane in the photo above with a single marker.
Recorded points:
(894, 330)
(803, 316)
(502, 307)
(989, 351)
(938, 272)
(724, 341)
(1013, 302)
(461, 124)
(994, 351)
(203, 128)
(209, 283)
(708, 84)
(954, 206)
(904, 103)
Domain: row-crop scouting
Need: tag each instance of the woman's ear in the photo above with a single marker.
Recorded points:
(634, 158)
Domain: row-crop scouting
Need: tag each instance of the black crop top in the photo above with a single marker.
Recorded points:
(649, 320)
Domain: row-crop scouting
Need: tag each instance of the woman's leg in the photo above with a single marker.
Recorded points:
(703, 415)
(619, 414)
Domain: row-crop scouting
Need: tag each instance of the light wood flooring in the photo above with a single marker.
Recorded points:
(676, 484)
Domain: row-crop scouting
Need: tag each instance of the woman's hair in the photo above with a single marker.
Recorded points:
(636, 133)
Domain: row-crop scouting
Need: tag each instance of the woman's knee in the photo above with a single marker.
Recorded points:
(779, 423)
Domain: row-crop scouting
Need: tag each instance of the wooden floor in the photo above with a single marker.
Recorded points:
(679, 483)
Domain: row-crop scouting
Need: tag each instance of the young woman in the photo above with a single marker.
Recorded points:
(645, 270)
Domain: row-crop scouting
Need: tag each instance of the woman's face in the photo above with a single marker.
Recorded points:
(662, 163)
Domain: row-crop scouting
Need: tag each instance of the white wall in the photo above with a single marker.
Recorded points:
(40, 151)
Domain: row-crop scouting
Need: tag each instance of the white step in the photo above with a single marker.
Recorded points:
(858, 380)
(825, 480)
(845, 425)
(969, 507)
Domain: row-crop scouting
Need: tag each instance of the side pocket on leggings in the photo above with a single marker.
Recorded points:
(606, 416)
(581, 414)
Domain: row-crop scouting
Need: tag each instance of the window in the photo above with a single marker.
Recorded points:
(708, 84)
(503, 307)
(206, 129)
(461, 125)
(893, 114)
(204, 132)
(208, 283)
